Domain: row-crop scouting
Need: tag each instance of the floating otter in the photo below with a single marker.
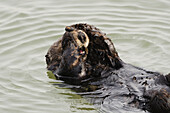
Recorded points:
(86, 57)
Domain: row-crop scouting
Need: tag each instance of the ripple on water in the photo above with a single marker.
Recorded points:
(139, 30)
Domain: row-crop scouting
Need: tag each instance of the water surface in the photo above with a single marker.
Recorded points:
(140, 31)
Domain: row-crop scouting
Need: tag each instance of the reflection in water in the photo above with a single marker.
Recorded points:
(139, 30)
(78, 103)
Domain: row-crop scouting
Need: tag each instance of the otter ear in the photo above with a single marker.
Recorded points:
(112, 54)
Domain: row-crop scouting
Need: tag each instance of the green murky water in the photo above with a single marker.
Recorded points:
(140, 30)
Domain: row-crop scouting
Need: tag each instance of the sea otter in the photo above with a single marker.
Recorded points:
(85, 56)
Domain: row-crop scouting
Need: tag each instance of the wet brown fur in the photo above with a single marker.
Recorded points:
(102, 56)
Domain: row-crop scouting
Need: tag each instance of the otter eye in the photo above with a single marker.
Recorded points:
(82, 51)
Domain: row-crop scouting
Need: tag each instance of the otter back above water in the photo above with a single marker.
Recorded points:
(86, 57)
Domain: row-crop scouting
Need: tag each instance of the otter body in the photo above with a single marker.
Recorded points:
(84, 56)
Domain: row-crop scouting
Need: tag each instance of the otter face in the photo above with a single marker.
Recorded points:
(82, 54)
(72, 65)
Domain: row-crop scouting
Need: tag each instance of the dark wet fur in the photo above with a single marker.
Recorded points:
(108, 79)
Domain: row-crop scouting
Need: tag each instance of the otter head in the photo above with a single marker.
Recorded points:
(83, 52)
(75, 50)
